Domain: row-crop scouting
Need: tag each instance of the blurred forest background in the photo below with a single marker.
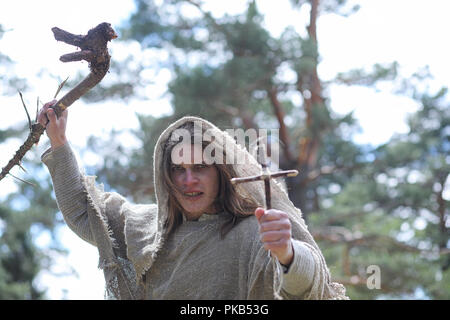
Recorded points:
(381, 205)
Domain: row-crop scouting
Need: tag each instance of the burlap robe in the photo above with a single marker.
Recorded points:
(139, 262)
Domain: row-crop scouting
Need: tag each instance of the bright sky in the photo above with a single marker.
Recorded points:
(408, 31)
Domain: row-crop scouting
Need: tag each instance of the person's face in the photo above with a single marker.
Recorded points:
(199, 185)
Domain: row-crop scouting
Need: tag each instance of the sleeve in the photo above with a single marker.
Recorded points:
(300, 274)
(266, 279)
(69, 191)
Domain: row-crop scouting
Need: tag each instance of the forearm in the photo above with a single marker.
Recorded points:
(68, 187)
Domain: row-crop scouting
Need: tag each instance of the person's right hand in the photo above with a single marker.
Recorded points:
(55, 127)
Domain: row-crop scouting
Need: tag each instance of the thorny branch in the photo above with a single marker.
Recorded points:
(95, 51)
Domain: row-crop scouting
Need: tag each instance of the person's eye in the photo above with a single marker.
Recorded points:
(200, 166)
(177, 168)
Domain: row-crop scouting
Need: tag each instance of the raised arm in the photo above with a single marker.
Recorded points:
(65, 173)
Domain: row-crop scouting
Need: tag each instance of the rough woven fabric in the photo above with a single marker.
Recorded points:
(193, 263)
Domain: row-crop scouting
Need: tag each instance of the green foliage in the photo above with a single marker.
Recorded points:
(368, 78)
(395, 211)
(154, 27)
(31, 208)
(340, 7)
(25, 214)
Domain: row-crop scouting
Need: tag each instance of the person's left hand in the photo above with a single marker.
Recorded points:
(275, 231)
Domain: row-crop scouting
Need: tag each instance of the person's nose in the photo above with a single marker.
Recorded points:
(190, 178)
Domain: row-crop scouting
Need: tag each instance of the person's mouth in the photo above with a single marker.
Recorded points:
(193, 195)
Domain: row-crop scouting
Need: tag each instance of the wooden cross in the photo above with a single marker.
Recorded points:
(266, 175)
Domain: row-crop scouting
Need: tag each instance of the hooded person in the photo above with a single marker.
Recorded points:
(159, 251)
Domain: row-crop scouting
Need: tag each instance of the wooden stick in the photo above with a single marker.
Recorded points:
(95, 42)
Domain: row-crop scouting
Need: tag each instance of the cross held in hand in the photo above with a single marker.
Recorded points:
(265, 176)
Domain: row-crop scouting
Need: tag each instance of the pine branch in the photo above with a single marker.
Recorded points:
(95, 51)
